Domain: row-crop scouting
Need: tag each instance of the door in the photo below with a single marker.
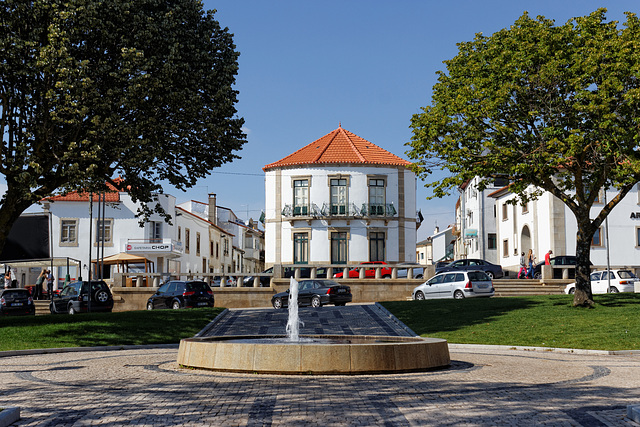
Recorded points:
(160, 297)
(305, 292)
(433, 286)
(448, 285)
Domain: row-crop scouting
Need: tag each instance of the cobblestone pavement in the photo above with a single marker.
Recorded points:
(483, 386)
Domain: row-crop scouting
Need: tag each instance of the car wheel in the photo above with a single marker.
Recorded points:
(419, 276)
(537, 275)
(176, 305)
(101, 296)
(614, 290)
(71, 310)
(419, 296)
(386, 276)
(149, 305)
(315, 302)
(490, 274)
(458, 295)
(572, 291)
(277, 303)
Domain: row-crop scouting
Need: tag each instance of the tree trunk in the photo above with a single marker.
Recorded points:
(583, 296)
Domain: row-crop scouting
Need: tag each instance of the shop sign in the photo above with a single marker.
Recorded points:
(635, 215)
(148, 247)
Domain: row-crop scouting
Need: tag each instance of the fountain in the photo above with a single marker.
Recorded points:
(313, 354)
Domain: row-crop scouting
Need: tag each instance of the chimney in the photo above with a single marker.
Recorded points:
(213, 209)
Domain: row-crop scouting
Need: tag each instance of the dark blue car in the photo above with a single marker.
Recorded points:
(494, 271)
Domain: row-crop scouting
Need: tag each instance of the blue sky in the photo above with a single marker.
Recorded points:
(306, 66)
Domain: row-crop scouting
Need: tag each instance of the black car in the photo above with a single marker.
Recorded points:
(560, 260)
(16, 301)
(316, 293)
(494, 271)
(287, 272)
(74, 298)
(178, 294)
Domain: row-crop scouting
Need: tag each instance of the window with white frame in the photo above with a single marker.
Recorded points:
(376, 246)
(187, 240)
(505, 209)
(338, 196)
(596, 240)
(104, 231)
(376, 196)
(156, 231)
(69, 232)
(339, 247)
(301, 197)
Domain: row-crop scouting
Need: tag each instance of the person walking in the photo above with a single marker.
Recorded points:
(530, 260)
(547, 257)
(50, 284)
(522, 273)
(37, 288)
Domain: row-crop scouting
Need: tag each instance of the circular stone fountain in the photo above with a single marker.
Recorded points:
(317, 354)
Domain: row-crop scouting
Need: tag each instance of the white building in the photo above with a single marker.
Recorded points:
(340, 200)
(547, 224)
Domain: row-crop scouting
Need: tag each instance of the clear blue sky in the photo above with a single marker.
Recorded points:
(306, 66)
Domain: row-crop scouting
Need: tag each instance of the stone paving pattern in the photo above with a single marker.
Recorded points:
(484, 386)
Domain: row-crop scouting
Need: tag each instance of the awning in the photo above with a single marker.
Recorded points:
(124, 259)
(42, 263)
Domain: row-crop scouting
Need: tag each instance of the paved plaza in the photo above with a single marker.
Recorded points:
(484, 386)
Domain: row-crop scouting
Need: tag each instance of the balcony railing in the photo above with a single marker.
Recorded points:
(367, 210)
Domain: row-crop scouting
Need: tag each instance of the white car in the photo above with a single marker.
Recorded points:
(455, 284)
(621, 281)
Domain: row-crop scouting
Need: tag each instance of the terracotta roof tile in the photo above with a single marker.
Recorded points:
(111, 196)
(339, 146)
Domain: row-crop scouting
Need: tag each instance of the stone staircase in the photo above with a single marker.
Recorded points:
(42, 307)
(524, 287)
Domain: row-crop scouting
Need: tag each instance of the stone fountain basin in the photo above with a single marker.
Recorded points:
(316, 354)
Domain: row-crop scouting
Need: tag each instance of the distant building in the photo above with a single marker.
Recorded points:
(340, 200)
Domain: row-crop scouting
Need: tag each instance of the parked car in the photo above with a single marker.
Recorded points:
(228, 281)
(403, 270)
(621, 281)
(178, 294)
(494, 271)
(16, 301)
(369, 273)
(316, 293)
(457, 285)
(74, 298)
(287, 272)
(559, 260)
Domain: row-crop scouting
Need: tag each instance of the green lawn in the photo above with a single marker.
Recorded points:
(541, 321)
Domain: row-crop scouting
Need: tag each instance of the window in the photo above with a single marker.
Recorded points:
(300, 248)
(597, 238)
(69, 232)
(376, 196)
(339, 247)
(376, 246)
(210, 248)
(505, 248)
(217, 250)
(225, 250)
(504, 212)
(104, 228)
(338, 196)
(492, 241)
(187, 235)
(301, 197)
(525, 208)
(179, 234)
(638, 236)
(156, 231)
(198, 244)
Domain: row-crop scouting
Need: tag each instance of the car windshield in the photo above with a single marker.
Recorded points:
(15, 293)
(626, 274)
(478, 276)
(197, 286)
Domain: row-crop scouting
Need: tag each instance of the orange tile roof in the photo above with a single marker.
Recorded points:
(75, 196)
(339, 146)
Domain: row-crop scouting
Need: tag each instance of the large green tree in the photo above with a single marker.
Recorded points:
(551, 106)
(91, 90)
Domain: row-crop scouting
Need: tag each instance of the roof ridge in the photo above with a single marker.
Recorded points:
(353, 145)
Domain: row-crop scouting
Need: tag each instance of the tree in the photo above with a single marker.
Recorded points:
(555, 107)
(91, 90)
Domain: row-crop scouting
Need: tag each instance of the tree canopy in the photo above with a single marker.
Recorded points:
(93, 90)
(551, 106)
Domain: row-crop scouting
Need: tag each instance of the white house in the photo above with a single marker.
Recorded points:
(340, 200)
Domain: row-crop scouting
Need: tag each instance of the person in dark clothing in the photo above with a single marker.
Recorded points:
(37, 288)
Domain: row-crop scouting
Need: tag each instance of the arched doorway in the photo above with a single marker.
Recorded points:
(525, 240)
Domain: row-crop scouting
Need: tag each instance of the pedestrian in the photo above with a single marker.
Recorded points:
(50, 284)
(37, 288)
(530, 260)
(7, 279)
(14, 279)
(522, 273)
(547, 257)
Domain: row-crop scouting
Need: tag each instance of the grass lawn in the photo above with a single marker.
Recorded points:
(541, 321)
(97, 329)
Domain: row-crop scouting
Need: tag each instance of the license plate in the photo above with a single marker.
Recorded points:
(16, 304)
(202, 303)
(342, 291)
(483, 286)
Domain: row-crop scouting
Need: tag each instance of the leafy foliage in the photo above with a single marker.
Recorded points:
(91, 90)
(553, 108)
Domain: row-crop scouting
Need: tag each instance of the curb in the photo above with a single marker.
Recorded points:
(543, 349)
(13, 353)
(9, 416)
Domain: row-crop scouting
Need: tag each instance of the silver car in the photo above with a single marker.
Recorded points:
(620, 280)
(455, 284)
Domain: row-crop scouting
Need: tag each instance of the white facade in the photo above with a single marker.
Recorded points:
(396, 226)
(547, 224)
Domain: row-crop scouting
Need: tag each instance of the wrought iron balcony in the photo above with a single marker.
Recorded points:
(367, 210)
